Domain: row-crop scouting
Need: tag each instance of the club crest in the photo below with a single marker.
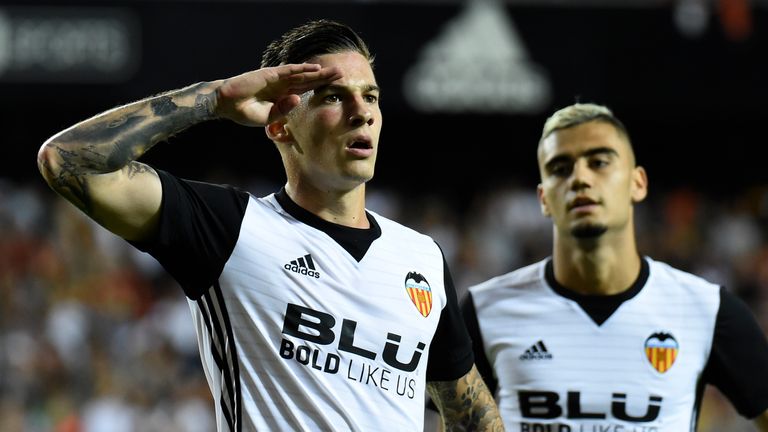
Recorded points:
(661, 350)
(420, 292)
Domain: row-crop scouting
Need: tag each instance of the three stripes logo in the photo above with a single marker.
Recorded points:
(420, 292)
(661, 351)
(303, 265)
(537, 351)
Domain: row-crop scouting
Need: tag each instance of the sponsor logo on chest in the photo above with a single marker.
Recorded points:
(314, 339)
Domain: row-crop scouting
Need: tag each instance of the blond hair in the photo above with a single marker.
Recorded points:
(578, 113)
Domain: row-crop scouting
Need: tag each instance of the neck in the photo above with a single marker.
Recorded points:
(340, 207)
(606, 265)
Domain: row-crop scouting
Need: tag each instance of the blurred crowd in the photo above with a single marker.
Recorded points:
(94, 336)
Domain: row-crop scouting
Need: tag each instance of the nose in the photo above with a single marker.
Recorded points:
(581, 177)
(360, 113)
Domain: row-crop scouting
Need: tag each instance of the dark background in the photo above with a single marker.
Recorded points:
(78, 305)
(694, 105)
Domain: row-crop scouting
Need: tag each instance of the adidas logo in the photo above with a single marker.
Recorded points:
(303, 265)
(537, 351)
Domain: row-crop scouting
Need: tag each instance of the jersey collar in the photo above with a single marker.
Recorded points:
(355, 241)
(598, 307)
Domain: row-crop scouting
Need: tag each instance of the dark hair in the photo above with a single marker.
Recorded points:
(312, 39)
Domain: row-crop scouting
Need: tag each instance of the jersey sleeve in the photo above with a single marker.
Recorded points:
(450, 355)
(738, 363)
(198, 229)
(469, 313)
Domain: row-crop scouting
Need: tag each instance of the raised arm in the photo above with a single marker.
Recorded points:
(93, 163)
(466, 404)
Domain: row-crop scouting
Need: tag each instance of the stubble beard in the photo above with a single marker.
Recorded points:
(589, 231)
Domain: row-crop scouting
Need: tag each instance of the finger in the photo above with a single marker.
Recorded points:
(303, 67)
(325, 74)
(297, 74)
(256, 79)
(301, 83)
(293, 69)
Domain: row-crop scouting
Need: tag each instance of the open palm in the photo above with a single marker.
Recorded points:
(258, 97)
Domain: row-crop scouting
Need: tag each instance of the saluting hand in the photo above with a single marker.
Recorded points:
(259, 97)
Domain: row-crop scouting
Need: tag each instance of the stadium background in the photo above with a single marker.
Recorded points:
(92, 331)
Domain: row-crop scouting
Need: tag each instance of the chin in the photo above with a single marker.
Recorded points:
(356, 179)
(588, 231)
(361, 174)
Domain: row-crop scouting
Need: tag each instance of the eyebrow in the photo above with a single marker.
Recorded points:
(340, 88)
(591, 152)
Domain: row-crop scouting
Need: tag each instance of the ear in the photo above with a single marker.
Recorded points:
(542, 201)
(639, 184)
(277, 131)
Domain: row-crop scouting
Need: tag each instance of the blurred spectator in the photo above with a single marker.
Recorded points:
(102, 339)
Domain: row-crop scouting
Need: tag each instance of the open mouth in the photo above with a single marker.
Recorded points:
(361, 143)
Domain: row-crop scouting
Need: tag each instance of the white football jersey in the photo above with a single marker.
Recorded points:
(304, 325)
(636, 361)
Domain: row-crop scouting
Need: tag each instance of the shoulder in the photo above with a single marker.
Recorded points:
(666, 273)
(517, 279)
(196, 198)
(673, 286)
(518, 282)
(268, 203)
(395, 229)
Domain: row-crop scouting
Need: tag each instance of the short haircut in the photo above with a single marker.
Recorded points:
(579, 113)
(312, 39)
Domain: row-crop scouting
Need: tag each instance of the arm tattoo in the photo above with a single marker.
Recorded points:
(163, 106)
(138, 168)
(466, 404)
(113, 140)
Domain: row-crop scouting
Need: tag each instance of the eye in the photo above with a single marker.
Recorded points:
(332, 98)
(560, 169)
(371, 99)
(599, 162)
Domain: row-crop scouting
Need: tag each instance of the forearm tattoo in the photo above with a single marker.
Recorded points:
(113, 140)
(466, 404)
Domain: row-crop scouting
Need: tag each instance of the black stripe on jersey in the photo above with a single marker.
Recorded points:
(227, 391)
(207, 320)
(230, 355)
(224, 351)
(203, 304)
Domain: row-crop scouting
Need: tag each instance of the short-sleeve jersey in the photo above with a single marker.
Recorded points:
(307, 325)
(635, 361)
